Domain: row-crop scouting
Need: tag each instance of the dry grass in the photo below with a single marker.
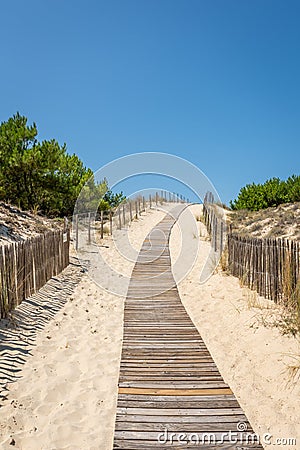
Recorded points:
(277, 222)
(287, 277)
(17, 225)
(272, 222)
(286, 315)
(254, 300)
(289, 323)
(294, 369)
(224, 261)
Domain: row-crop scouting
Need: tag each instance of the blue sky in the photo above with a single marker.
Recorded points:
(214, 81)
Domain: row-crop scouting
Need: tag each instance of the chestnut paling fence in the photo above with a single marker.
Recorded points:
(27, 265)
(269, 266)
(119, 217)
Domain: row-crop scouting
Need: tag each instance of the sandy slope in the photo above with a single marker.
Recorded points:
(17, 225)
(253, 359)
(66, 398)
(67, 395)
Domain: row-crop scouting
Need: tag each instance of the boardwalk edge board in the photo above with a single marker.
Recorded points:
(168, 381)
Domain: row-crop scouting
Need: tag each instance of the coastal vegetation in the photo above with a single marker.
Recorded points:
(41, 176)
(272, 193)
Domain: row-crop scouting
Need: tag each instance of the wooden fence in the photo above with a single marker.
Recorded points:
(26, 266)
(216, 227)
(269, 266)
(120, 217)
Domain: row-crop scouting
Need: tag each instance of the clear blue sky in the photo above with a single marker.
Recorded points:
(214, 81)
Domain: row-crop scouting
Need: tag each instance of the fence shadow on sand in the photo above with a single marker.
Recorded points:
(18, 332)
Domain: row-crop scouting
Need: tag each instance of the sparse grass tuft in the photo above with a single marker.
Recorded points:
(271, 222)
(224, 261)
(293, 369)
(289, 323)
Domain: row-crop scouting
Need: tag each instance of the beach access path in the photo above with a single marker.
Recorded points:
(62, 352)
(170, 392)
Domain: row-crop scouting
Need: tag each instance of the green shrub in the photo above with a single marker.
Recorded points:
(272, 193)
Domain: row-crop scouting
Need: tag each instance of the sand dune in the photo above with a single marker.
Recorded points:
(254, 360)
(66, 396)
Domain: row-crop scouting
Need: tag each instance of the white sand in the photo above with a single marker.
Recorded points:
(66, 398)
(253, 359)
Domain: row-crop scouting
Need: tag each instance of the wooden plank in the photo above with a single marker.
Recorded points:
(176, 392)
(216, 436)
(187, 404)
(168, 378)
(173, 385)
(139, 418)
(217, 428)
(178, 398)
(181, 412)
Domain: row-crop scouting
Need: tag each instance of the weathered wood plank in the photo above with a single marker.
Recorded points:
(173, 385)
(178, 392)
(168, 379)
(178, 398)
(180, 419)
(187, 404)
(182, 412)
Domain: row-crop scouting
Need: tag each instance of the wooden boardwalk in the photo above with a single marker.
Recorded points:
(170, 389)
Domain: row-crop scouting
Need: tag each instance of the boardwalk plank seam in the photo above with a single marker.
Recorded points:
(168, 379)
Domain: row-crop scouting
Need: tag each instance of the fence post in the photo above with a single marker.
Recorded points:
(144, 204)
(150, 201)
(120, 223)
(136, 210)
(65, 224)
(221, 236)
(124, 216)
(216, 234)
(130, 210)
(89, 227)
(110, 222)
(101, 229)
(76, 231)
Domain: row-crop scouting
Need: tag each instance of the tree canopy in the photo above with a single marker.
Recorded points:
(271, 193)
(42, 176)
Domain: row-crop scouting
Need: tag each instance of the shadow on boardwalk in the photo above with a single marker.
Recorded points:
(19, 331)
